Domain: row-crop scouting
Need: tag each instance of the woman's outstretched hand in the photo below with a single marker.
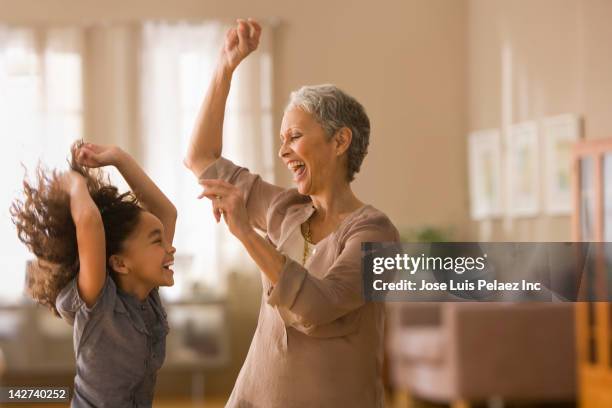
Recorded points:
(93, 155)
(240, 41)
(228, 202)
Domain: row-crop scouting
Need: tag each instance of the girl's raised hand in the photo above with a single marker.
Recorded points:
(240, 41)
(93, 155)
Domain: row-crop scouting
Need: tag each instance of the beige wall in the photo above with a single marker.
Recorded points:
(404, 60)
(428, 71)
(561, 60)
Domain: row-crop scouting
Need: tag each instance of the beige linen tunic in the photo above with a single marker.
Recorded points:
(317, 343)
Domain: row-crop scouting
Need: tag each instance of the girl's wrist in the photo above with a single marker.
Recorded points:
(77, 185)
(119, 158)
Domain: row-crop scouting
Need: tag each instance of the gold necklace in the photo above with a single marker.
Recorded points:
(307, 240)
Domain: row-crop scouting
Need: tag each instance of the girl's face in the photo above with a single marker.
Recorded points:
(147, 255)
(307, 152)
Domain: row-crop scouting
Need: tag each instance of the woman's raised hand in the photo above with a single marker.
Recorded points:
(227, 201)
(240, 41)
(93, 155)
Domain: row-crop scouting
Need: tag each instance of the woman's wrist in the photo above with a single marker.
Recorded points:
(248, 235)
(224, 71)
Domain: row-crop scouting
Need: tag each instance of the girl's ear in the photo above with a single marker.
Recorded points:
(343, 140)
(117, 264)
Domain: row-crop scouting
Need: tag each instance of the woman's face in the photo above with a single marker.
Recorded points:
(146, 253)
(305, 149)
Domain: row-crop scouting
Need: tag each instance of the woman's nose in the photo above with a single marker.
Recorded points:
(283, 150)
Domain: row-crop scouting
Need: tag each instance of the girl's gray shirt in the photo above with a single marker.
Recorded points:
(119, 344)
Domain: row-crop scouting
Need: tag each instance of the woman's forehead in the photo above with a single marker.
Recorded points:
(295, 118)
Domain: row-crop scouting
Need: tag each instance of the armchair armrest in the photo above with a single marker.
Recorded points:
(405, 314)
(513, 350)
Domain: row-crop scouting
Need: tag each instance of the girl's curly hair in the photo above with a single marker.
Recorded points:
(44, 224)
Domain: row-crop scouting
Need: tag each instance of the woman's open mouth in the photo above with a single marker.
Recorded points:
(298, 168)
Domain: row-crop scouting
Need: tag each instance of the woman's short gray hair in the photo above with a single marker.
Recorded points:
(334, 109)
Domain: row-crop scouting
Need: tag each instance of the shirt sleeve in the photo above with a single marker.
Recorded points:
(69, 302)
(258, 194)
(319, 301)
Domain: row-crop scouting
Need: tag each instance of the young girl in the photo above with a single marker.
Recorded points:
(101, 257)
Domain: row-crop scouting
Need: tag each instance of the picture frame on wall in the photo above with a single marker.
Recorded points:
(484, 160)
(559, 134)
(523, 164)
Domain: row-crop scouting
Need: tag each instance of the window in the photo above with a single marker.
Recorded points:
(41, 114)
(178, 62)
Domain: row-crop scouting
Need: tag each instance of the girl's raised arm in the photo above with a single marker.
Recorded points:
(90, 237)
(147, 192)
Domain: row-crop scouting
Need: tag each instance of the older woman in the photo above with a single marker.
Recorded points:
(317, 343)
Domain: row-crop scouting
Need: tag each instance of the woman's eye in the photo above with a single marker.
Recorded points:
(296, 136)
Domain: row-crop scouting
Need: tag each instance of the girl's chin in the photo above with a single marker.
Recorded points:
(168, 278)
(167, 282)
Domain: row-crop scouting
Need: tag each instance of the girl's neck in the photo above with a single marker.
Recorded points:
(133, 287)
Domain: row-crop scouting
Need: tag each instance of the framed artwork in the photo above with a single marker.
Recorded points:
(559, 134)
(484, 160)
(523, 169)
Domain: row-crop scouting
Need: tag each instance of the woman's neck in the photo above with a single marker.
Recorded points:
(335, 203)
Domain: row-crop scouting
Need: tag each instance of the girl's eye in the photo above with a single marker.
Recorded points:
(157, 241)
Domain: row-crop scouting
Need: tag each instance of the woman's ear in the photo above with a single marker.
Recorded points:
(343, 140)
(117, 264)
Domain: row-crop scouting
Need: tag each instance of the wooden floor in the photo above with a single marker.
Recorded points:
(220, 403)
(170, 403)
(211, 403)
(175, 403)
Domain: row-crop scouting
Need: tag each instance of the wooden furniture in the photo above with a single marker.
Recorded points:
(592, 221)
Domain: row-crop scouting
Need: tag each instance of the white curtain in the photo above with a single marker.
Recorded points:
(42, 84)
(41, 112)
(177, 62)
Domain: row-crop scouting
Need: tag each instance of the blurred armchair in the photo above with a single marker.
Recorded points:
(466, 352)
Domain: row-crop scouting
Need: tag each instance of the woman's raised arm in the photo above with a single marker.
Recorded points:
(206, 140)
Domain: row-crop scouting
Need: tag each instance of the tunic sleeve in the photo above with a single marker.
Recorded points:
(257, 193)
(319, 301)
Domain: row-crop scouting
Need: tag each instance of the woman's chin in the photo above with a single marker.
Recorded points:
(302, 189)
(303, 186)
